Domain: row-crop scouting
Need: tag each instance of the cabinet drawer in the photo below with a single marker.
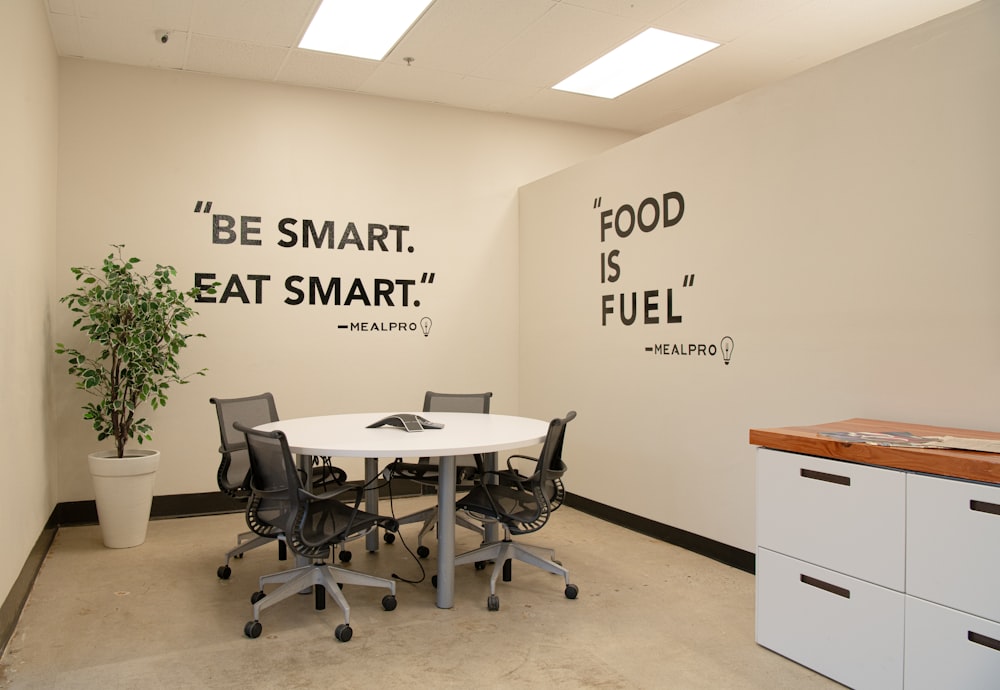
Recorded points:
(839, 515)
(946, 648)
(843, 628)
(953, 544)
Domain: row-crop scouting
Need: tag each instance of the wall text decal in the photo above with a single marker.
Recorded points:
(652, 213)
(376, 291)
(652, 306)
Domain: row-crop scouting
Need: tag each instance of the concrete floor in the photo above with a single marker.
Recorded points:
(649, 615)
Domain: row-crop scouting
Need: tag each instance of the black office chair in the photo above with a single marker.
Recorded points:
(520, 503)
(425, 471)
(313, 524)
(233, 475)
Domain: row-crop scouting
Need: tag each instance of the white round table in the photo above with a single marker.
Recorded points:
(348, 435)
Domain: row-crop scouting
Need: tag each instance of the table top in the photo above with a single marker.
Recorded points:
(464, 433)
(947, 462)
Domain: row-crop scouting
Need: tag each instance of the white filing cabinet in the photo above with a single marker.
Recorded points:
(952, 583)
(877, 577)
(830, 566)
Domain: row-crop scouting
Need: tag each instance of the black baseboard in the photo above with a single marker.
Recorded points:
(73, 513)
(724, 553)
(14, 602)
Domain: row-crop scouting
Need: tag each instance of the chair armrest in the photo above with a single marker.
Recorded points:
(513, 475)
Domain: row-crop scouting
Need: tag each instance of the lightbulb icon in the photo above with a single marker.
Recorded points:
(425, 326)
(726, 345)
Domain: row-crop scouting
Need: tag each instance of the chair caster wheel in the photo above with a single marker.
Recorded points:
(572, 591)
(423, 551)
(257, 596)
(224, 572)
(345, 556)
(493, 603)
(388, 537)
(389, 602)
(434, 581)
(343, 632)
(252, 629)
(480, 565)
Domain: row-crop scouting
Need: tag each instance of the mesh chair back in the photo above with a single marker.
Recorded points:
(457, 402)
(546, 482)
(550, 463)
(234, 470)
(273, 479)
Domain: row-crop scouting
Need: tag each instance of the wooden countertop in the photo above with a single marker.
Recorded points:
(959, 464)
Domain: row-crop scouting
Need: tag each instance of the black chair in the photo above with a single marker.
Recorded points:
(521, 503)
(425, 471)
(313, 524)
(233, 475)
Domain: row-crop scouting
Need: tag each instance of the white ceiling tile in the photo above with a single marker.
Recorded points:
(168, 14)
(270, 22)
(129, 41)
(562, 41)
(723, 20)
(640, 10)
(234, 58)
(323, 70)
(459, 35)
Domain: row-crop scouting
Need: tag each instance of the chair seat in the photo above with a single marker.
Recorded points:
(312, 538)
(500, 503)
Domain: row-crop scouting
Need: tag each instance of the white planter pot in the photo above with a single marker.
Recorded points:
(123, 489)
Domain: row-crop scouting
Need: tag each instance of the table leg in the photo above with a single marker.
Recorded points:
(446, 533)
(371, 501)
(491, 532)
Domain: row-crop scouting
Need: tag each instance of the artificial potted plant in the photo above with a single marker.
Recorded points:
(135, 324)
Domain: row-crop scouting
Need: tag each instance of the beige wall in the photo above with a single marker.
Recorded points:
(28, 72)
(140, 148)
(840, 226)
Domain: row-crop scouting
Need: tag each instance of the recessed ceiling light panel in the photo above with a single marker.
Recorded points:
(361, 28)
(647, 56)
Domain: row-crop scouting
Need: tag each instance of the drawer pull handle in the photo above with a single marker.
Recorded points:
(979, 638)
(825, 477)
(826, 586)
(984, 507)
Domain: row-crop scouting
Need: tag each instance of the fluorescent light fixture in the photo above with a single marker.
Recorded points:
(647, 56)
(361, 28)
